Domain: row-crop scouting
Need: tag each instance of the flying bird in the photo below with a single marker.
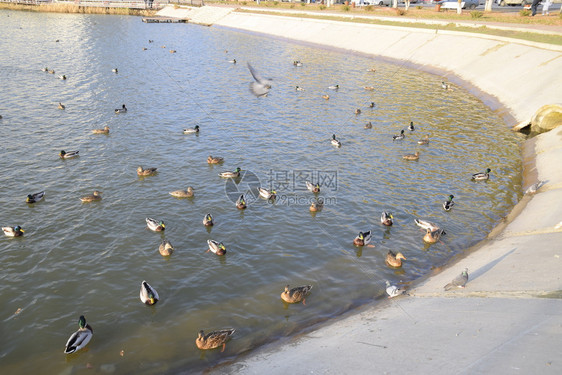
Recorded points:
(261, 86)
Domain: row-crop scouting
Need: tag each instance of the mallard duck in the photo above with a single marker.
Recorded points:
(393, 290)
(414, 156)
(94, 197)
(144, 48)
(32, 198)
(326, 97)
(80, 338)
(433, 236)
(394, 260)
(148, 295)
(424, 140)
(51, 71)
(298, 88)
(371, 70)
(123, 109)
(105, 130)
(195, 129)
(448, 204)
(183, 193)
(313, 188)
(296, 295)
(216, 247)
(63, 77)
(61, 106)
(369, 88)
(357, 111)
(372, 105)
(234, 174)
(445, 86)
(267, 194)
(297, 63)
(362, 239)
(45, 69)
(213, 339)
(68, 154)
(335, 142)
(173, 51)
(411, 126)
(334, 87)
(241, 202)
(214, 160)
(166, 248)
(233, 61)
(386, 218)
(155, 225)
(368, 125)
(150, 41)
(114, 70)
(399, 136)
(146, 172)
(426, 225)
(317, 206)
(482, 176)
(459, 281)
(16, 231)
(208, 220)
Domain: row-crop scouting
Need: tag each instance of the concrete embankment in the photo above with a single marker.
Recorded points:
(508, 319)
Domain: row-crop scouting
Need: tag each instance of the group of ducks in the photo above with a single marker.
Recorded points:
(52, 71)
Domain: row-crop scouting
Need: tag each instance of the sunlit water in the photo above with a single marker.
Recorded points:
(90, 259)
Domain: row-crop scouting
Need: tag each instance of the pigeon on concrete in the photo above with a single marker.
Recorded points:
(393, 290)
(261, 86)
(534, 187)
(459, 281)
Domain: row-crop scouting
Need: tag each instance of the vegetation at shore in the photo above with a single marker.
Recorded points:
(73, 8)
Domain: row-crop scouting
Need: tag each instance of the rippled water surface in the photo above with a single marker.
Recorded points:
(90, 259)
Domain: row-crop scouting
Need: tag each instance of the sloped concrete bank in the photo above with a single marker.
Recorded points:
(509, 317)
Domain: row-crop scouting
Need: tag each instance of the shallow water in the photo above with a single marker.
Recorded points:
(90, 259)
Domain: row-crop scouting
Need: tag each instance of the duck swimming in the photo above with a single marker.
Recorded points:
(411, 126)
(399, 137)
(449, 203)
(166, 248)
(233, 61)
(214, 160)
(482, 176)
(334, 87)
(213, 339)
(368, 125)
(267, 194)
(114, 70)
(123, 109)
(316, 206)
(426, 225)
(96, 196)
(63, 77)
(146, 172)
(386, 218)
(61, 106)
(188, 193)
(296, 295)
(191, 131)
(394, 259)
(155, 225)
(208, 220)
(234, 174)
(298, 88)
(424, 140)
(16, 231)
(362, 239)
(335, 142)
(216, 247)
(415, 156)
(33, 198)
(313, 188)
(241, 203)
(105, 130)
(433, 236)
(68, 154)
(79, 339)
(148, 295)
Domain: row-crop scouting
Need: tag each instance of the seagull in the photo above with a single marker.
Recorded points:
(534, 187)
(459, 281)
(393, 290)
(262, 85)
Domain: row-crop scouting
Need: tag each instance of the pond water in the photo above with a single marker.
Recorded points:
(89, 259)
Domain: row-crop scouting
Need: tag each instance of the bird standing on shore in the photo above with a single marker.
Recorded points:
(459, 281)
